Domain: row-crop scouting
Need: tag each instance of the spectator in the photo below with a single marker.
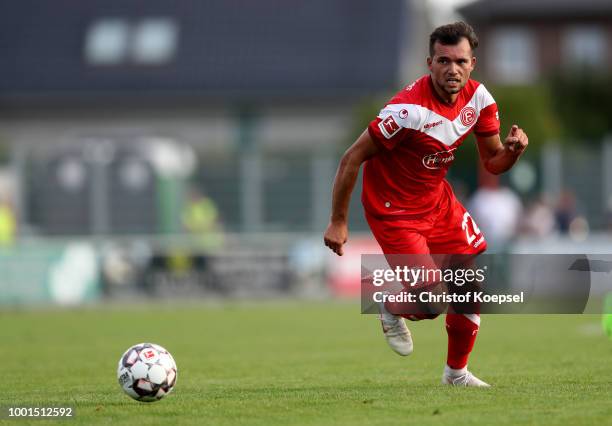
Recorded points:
(565, 211)
(8, 224)
(497, 211)
(539, 219)
(201, 219)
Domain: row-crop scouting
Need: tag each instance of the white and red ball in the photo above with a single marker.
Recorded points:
(147, 372)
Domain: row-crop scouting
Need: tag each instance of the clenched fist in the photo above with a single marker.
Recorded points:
(335, 236)
(516, 141)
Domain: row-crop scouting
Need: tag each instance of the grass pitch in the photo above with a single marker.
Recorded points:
(304, 363)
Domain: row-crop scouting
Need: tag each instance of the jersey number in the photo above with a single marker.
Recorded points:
(475, 231)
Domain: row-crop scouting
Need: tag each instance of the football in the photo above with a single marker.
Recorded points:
(147, 372)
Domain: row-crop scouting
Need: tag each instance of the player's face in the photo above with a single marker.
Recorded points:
(450, 67)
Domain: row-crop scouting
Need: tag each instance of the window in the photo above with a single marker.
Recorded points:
(116, 41)
(106, 42)
(511, 55)
(154, 41)
(584, 46)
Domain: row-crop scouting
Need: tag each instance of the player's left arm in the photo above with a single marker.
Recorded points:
(497, 156)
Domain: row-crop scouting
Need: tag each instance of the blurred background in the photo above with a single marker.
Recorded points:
(187, 149)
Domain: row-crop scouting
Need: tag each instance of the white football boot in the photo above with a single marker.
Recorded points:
(396, 332)
(465, 378)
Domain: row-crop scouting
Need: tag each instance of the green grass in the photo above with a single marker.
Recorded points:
(304, 363)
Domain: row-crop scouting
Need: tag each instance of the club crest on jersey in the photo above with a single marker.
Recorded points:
(389, 127)
(403, 113)
(438, 159)
(468, 116)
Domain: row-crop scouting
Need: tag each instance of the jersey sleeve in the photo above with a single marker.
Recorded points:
(488, 119)
(488, 122)
(389, 128)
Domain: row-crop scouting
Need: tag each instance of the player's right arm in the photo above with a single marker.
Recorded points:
(346, 176)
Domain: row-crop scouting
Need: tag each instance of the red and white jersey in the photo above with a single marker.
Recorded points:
(419, 135)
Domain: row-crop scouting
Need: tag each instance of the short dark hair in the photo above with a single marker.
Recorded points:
(451, 34)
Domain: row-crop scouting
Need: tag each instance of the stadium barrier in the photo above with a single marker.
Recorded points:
(74, 271)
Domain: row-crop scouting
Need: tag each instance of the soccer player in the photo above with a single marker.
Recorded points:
(409, 206)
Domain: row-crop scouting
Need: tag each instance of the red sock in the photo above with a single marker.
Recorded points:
(462, 330)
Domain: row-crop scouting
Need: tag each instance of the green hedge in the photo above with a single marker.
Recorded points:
(582, 102)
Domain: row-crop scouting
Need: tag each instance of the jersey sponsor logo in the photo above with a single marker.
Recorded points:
(389, 127)
(439, 159)
(468, 116)
(432, 125)
(403, 113)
